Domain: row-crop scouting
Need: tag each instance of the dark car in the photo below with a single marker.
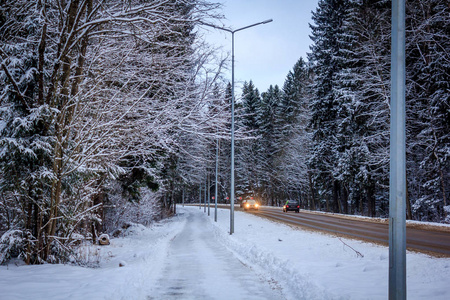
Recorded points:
(291, 205)
(251, 204)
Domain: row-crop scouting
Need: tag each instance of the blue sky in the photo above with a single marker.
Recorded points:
(265, 53)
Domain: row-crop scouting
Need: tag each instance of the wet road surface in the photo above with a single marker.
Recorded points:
(436, 242)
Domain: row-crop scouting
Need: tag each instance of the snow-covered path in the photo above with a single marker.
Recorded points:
(199, 267)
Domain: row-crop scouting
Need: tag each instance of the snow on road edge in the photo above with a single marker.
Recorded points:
(146, 260)
(269, 267)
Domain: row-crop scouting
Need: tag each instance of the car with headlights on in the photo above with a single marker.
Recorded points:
(251, 204)
(291, 205)
(245, 200)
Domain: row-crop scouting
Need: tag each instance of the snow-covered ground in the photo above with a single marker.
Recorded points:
(192, 257)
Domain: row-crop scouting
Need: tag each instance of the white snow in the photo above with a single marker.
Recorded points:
(2, 125)
(192, 257)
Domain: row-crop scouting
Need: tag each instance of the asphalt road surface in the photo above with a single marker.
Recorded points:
(432, 241)
(435, 242)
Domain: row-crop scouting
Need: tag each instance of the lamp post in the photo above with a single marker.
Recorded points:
(232, 110)
(397, 179)
(217, 177)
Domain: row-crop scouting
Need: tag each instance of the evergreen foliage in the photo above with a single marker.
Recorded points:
(325, 139)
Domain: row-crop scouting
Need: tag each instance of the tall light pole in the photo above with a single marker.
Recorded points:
(232, 111)
(397, 180)
(217, 177)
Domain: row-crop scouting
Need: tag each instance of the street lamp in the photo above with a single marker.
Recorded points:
(397, 170)
(217, 177)
(232, 110)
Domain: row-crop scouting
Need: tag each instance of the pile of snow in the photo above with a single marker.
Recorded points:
(126, 269)
(304, 265)
(323, 266)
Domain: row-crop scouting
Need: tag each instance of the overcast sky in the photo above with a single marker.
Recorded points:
(265, 53)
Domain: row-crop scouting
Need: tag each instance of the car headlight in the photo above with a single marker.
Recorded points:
(256, 205)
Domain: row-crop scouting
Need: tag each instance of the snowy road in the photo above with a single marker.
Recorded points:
(199, 267)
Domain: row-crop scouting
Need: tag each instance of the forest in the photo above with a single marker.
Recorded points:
(113, 111)
(323, 138)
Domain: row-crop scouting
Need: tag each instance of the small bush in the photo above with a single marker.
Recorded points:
(12, 244)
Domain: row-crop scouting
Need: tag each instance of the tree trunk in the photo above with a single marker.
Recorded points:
(344, 200)
(174, 204)
(336, 197)
(408, 203)
(371, 201)
(98, 200)
(361, 205)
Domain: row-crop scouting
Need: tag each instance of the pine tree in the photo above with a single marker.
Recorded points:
(26, 128)
(250, 103)
(294, 94)
(361, 87)
(247, 162)
(270, 147)
(295, 148)
(325, 54)
(428, 114)
(372, 27)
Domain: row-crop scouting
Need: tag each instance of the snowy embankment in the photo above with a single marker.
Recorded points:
(141, 252)
(301, 264)
(322, 266)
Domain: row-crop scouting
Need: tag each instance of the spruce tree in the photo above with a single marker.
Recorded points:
(358, 90)
(26, 132)
(247, 166)
(328, 19)
(428, 114)
(295, 144)
(270, 132)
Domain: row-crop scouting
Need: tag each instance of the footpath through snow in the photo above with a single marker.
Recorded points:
(192, 257)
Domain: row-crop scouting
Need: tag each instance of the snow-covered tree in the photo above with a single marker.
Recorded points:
(269, 144)
(428, 114)
(325, 56)
(91, 91)
(247, 158)
(295, 144)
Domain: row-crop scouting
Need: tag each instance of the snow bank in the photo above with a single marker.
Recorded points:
(268, 265)
(141, 252)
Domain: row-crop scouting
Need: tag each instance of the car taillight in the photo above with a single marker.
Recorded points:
(287, 206)
(298, 206)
